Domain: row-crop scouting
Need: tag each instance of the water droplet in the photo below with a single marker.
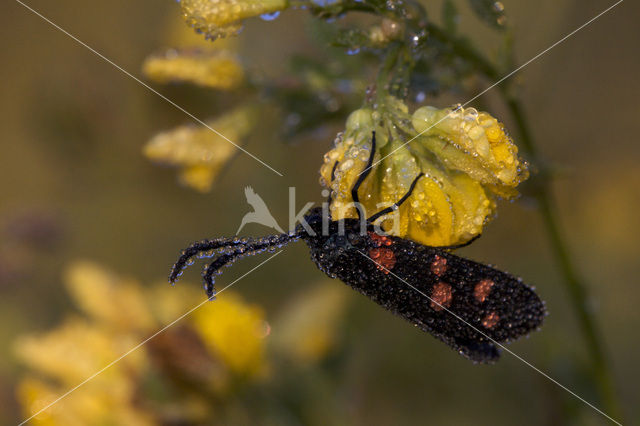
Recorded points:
(270, 16)
(420, 97)
(346, 165)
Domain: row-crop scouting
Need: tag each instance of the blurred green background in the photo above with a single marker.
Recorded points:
(74, 184)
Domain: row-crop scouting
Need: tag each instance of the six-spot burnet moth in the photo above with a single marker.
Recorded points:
(471, 307)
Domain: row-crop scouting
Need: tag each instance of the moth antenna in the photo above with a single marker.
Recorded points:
(363, 175)
(200, 247)
(399, 202)
(333, 171)
(333, 175)
(251, 248)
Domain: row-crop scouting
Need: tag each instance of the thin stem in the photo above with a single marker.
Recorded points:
(574, 284)
(383, 81)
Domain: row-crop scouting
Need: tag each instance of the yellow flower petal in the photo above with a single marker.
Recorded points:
(76, 350)
(220, 18)
(472, 142)
(182, 36)
(93, 405)
(113, 301)
(214, 69)
(466, 157)
(200, 152)
(219, 342)
(234, 331)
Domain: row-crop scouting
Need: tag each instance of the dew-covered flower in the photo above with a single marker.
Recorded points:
(220, 18)
(209, 68)
(199, 152)
(467, 158)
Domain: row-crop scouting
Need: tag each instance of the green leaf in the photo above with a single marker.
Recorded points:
(450, 16)
(490, 11)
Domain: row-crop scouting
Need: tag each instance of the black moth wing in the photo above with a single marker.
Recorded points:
(488, 304)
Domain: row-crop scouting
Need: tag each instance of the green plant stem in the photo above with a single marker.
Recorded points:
(542, 191)
(573, 282)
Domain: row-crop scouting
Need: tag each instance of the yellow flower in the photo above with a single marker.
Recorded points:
(198, 151)
(76, 350)
(467, 159)
(95, 404)
(219, 342)
(214, 69)
(111, 300)
(220, 18)
(67, 356)
(234, 331)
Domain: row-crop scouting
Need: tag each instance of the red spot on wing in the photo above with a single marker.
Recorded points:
(441, 296)
(482, 290)
(385, 258)
(490, 320)
(379, 240)
(439, 265)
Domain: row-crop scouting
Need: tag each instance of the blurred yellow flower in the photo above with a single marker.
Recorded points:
(108, 299)
(233, 331)
(220, 18)
(76, 350)
(67, 356)
(213, 69)
(198, 151)
(467, 158)
(96, 404)
(219, 342)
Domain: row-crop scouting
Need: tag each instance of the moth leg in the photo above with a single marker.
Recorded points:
(399, 202)
(213, 267)
(251, 248)
(363, 175)
(197, 248)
